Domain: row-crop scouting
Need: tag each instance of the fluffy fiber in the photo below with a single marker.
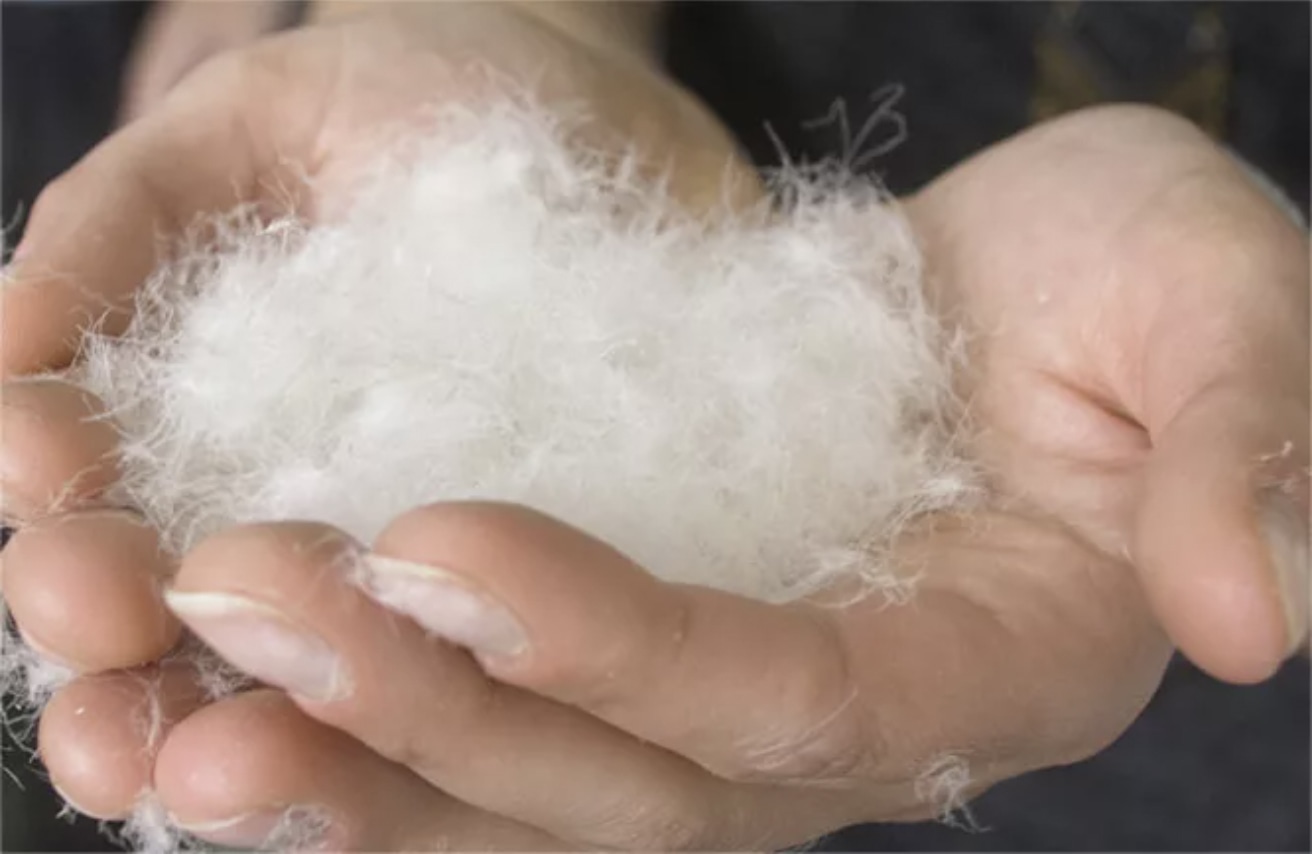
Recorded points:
(503, 318)
(755, 403)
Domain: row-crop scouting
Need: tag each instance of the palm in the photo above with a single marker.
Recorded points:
(1054, 251)
(1066, 461)
(1031, 253)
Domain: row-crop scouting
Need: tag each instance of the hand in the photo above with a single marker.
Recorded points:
(713, 722)
(249, 125)
(1141, 365)
(81, 582)
(178, 35)
(1039, 645)
(600, 708)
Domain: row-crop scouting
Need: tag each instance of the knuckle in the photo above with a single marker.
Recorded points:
(822, 737)
(824, 752)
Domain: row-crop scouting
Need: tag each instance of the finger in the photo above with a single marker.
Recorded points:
(94, 233)
(1222, 530)
(99, 734)
(426, 705)
(746, 689)
(58, 452)
(1222, 534)
(252, 770)
(85, 590)
(802, 692)
(1024, 647)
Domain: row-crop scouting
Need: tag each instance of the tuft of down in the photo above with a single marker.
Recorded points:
(738, 403)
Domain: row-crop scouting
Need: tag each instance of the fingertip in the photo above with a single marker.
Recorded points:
(86, 588)
(1231, 631)
(1215, 561)
(231, 772)
(97, 760)
(239, 768)
(1206, 572)
(205, 767)
(98, 734)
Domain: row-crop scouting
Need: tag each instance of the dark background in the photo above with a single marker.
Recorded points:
(1207, 767)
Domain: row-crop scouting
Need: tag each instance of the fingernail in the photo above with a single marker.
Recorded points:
(276, 829)
(444, 605)
(244, 831)
(262, 642)
(1286, 533)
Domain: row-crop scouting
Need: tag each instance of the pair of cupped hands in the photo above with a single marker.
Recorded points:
(1138, 384)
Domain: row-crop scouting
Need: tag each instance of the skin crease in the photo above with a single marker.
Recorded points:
(1138, 314)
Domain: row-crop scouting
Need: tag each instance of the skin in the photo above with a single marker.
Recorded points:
(178, 35)
(1139, 331)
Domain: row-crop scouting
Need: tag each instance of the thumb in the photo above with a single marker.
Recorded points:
(95, 233)
(1222, 531)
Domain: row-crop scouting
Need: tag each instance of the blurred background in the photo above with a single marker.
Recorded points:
(1208, 767)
